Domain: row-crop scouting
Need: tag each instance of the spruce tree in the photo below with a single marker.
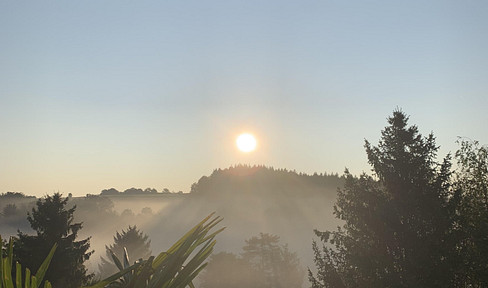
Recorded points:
(263, 263)
(53, 223)
(136, 243)
(397, 223)
(472, 184)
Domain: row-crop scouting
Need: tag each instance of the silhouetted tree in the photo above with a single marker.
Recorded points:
(264, 263)
(398, 224)
(127, 213)
(10, 210)
(137, 244)
(227, 270)
(472, 182)
(97, 205)
(146, 211)
(54, 224)
(111, 191)
(251, 179)
(275, 265)
(18, 195)
(133, 191)
(150, 191)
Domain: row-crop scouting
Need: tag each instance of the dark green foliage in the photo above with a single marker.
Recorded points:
(398, 226)
(54, 224)
(472, 183)
(264, 263)
(137, 244)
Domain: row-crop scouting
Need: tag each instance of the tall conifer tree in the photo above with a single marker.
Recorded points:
(53, 223)
(472, 183)
(137, 244)
(397, 222)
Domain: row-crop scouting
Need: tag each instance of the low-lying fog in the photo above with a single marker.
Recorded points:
(250, 199)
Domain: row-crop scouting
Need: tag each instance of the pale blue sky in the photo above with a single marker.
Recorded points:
(99, 94)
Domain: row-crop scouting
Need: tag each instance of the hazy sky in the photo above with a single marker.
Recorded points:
(99, 94)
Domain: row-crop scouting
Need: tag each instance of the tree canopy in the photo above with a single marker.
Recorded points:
(264, 263)
(397, 222)
(54, 223)
(137, 244)
(472, 184)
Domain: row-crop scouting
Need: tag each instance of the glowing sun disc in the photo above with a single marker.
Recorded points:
(246, 142)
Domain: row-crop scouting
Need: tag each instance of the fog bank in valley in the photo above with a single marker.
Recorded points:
(252, 200)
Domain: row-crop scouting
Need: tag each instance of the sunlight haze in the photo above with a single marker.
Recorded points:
(101, 94)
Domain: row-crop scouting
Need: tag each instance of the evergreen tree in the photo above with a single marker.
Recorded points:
(472, 182)
(264, 263)
(137, 245)
(10, 210)
(228, 270)
(397, 223)
(53, 223)
(273, 263)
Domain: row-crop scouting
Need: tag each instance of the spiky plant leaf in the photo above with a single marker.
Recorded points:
(18, 275)
(41, 272)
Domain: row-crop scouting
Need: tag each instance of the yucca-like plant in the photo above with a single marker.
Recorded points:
(175, 268)
(30, 281)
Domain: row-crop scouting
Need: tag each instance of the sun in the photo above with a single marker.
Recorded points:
(246, 142)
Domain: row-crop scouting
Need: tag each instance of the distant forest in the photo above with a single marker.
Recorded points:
(136, 191)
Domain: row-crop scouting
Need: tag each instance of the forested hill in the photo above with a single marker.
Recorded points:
(255, 199)
(266, 182)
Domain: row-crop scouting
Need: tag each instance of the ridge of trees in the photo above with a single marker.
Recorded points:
(276, 181)
(15, 195)
(137, 191)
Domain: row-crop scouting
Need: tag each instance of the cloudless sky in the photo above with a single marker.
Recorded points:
(99, 94)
